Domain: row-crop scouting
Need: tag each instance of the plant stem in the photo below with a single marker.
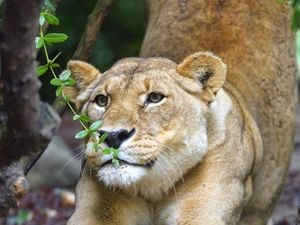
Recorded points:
(52, 71)
(55, 76)
(112, 152)
(73, 111)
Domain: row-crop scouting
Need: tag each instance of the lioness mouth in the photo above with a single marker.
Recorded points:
(147, 165)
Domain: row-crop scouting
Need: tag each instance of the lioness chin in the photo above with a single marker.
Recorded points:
(188, 148)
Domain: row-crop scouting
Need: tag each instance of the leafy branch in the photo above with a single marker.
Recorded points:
(64, 80)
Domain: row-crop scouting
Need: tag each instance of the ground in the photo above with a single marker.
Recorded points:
(53, 206)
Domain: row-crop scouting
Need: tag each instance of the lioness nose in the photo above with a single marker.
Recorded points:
(116, 138)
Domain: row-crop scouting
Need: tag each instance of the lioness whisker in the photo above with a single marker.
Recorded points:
(71, 159)
(169, 179)
(170, 156)
(80, 146)
(177, 168)
(82, 172)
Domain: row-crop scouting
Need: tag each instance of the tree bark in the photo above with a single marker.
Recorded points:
(27, 125)
(88, 39)
(20, 85)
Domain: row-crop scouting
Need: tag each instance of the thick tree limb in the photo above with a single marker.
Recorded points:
(87, 41)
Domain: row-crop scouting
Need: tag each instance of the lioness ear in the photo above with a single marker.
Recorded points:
(207, 69)
(83, 73)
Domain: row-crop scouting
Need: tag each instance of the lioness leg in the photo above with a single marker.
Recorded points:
(96, 205)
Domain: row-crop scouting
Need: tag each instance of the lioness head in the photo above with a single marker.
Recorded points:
(157, 113)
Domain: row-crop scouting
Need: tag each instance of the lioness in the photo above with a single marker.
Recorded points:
(188, 147)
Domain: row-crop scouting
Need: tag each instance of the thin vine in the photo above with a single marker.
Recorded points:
(64, 80)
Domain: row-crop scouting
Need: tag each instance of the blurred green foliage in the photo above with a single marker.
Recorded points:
(23, 216)
(121, 34)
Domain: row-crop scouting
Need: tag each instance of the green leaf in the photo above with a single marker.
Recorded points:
(56, 82)
(51, 19)
(39, 42)
(40, 70)
(54, 65)
(84, 118)
(58, 91)
(70, 82)
(94, 126)
(76, 117)
(55, 37)
(106, 151)
(114, 152)
(103, 137)
(82, 134)
(116, 163)
(42, 20)
(65, 75)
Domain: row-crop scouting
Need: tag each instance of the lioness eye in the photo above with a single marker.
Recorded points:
(102, 100)
(155, 97)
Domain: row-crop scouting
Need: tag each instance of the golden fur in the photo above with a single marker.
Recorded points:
(206, 145)
(239, 179)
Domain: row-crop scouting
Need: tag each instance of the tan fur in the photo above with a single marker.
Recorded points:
(246, 127)
(79, 70)
(206, 143)
(198, 66)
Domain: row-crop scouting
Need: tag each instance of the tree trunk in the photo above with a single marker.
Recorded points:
(27, 126)
(19, 87)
